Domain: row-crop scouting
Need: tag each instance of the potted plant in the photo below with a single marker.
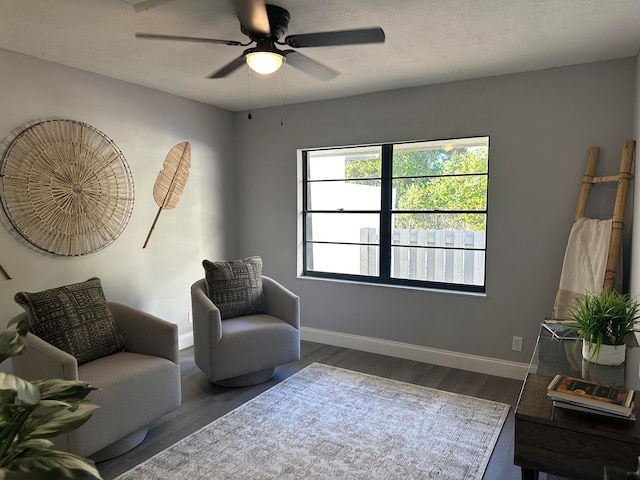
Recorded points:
(32, 412)
(604, 320)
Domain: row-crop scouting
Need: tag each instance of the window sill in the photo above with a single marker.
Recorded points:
(390, 285)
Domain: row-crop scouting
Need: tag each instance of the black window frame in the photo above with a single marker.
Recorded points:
(386, 213)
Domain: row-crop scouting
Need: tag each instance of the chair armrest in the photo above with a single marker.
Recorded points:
(145, 333)
(42, 361)
(206, 316)
(281, 302)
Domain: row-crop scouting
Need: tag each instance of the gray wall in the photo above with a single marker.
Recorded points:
(144, 124)
(541, 126)
(635, 243)
(241, 197)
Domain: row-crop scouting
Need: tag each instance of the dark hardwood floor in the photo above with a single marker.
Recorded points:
(203, 402)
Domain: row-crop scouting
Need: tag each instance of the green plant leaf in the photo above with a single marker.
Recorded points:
(58, 420)
(26, 392)
(36, 443)
(604, 318)
(7, 397)
(12, 340)
(55, 463)
(58, 389)
(31, 412)
(31, 445)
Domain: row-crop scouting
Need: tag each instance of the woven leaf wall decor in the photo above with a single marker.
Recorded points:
(66, 187)
(171, 180)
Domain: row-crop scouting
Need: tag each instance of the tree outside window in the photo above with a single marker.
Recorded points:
(428, 199)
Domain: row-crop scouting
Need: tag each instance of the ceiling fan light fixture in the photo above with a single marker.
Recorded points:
(264, 62)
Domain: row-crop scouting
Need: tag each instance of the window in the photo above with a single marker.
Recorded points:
(404, 213)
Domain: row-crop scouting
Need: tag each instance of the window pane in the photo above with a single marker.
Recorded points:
(336, 195)
(337, 164)
(426, 190)
(442, 157)
(468, 192)
(343, 227)
(438, 265)
(344, 259)
(459, 223)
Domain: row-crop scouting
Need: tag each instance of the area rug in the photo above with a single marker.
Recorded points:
(329, 423)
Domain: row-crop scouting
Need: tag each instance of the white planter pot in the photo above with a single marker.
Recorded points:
(607, 355)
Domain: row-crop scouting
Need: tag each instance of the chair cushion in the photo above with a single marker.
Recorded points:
(253, 343)
(135, 390)
(74, 318)
(235, 287)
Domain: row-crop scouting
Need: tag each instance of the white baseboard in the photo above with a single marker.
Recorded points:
(185, 340)
(445, 358)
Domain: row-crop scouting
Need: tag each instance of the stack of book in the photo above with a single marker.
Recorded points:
(587, 396)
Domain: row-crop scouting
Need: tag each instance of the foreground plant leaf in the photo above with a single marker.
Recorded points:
(31, 412)
(57, 389)
(26, 392)
(55, 463)
(57, 420)
(12, 340)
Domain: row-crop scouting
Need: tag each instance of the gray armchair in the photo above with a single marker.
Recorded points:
(245, 350)
(136, 386)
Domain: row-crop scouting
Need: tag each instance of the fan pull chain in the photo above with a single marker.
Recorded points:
(280, 87)
(249, 84)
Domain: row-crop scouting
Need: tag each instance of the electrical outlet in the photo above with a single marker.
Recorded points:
(189, 317)
(516, 344)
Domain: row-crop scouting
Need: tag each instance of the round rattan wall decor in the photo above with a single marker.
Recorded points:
(66, 187)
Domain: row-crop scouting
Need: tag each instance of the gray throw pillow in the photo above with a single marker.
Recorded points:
(74, 318)
(235, 287)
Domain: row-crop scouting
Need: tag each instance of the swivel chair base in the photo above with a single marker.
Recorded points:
(247, 380)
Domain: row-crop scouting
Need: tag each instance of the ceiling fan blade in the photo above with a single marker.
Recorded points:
(159, 36)
(230, 67)
(309, 66)
(147, 4)
(340, 37)
(252, 15)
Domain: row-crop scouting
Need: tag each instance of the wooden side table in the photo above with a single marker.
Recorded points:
(571, 444)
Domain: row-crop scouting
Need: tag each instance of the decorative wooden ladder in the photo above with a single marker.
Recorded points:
(623, 178)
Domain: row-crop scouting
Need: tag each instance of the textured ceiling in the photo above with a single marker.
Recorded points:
(427, 42)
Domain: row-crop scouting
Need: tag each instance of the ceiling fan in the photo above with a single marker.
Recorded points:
(266, 25)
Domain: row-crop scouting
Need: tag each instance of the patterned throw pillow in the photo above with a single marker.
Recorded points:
(75, 318)
(235, 287)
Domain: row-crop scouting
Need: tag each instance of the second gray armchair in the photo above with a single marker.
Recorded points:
(244, 350)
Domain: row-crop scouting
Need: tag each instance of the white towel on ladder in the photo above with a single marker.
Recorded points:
(585, 263)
